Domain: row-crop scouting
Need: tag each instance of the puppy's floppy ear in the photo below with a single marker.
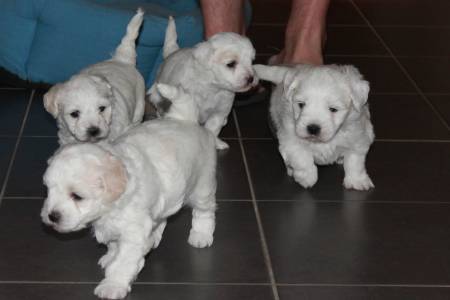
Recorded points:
(203, 52)
(51, 101)
(359, 88)
(113, 178)
(273, 74)
(168, 91)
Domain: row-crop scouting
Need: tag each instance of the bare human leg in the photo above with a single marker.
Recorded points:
(305, 33)
(223, 16)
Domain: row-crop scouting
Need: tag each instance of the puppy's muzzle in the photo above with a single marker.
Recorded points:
(54, 217)
(93, 131)
(313, 129)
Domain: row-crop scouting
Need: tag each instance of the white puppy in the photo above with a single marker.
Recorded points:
(128, 189)
(212, 72)
(321, 116)
(104, 99)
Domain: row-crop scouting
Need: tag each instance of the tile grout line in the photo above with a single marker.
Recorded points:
(16, 146)
(349, 25)
(136, 283)
(265, 248)
(38, 282)
(402, 68)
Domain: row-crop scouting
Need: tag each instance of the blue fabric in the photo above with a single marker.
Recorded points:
(50, 40)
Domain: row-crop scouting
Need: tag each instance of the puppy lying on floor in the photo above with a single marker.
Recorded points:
(127, 190)
(321, 116)
(213, 71)
(104, 99)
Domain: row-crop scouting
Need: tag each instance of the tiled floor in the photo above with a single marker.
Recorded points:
(275, 240)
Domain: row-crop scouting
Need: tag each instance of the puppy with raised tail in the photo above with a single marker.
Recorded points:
(128, 189)
(102, 100)
(212, 71)
(321, 116)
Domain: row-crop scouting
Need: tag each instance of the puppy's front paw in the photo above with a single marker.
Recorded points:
(360, 183)
(200, 239)
(307, 177)
(111, 290)
(221, 145)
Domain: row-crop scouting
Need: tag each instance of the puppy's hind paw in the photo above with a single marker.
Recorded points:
(221, 145)
(111, 290)
(360, 183)
(200, 239)
(306, 178)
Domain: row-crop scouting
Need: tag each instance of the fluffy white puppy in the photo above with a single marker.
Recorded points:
(321, 117)
(212, 71)
(104, 99)
(128, 189)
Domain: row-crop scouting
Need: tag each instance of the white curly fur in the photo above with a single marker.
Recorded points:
(212, 71)
(334, 100)
(102, 100)
(127, 190)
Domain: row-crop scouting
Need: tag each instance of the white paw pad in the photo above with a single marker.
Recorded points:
(111, 290)
(360, 183)
(306, 178)
(200, 239)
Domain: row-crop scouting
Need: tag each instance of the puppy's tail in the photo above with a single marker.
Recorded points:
(170, 42)
(126, 51)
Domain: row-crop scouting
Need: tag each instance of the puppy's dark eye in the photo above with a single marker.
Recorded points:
(101, 108)
(232, 64)
(75, 114)
(301, 105)
(333, 109)
(76, 197)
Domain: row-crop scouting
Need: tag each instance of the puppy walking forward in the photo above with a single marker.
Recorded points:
(127, 190)
(212, 71)
(321, 117)
(103, 100)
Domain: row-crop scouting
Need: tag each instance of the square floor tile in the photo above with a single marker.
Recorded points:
(393, 167)
(32, 252)
(161, 292)
(362, 293)
(232, 182)
(269, 39)
(405, 117)
(235, 256)
(39, 121)
(357, 243)
(339, 12)
(432, 75)
(352, 41)
(29, 167)
(229, 130)
(442, 103)
(6, 151)
(254, 120)
(404, 40)
(383, 73)
(13, 103)
(411, 12)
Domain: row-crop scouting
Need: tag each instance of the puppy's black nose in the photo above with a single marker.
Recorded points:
(250, 80)
(313, 129)
(93, 131)
(54, 217)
